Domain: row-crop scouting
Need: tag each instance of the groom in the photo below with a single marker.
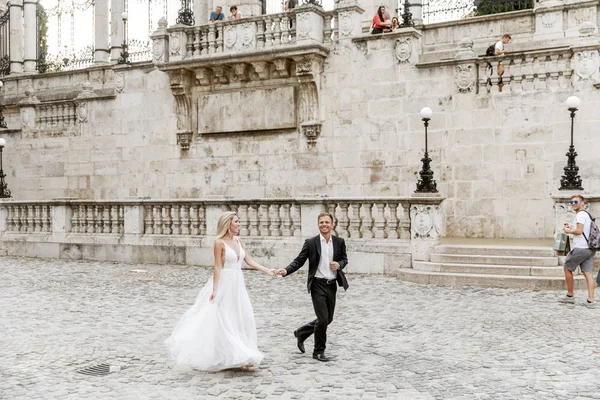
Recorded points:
(327, 258)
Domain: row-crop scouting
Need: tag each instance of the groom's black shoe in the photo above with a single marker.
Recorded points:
(321, 357)
(300, 342)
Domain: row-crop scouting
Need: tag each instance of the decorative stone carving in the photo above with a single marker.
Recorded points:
(582, 15)
(548, 20)
(465, 49)
(25, 123)
(175, 43)
(425, 221)
(119, 82)
(221, 74)
(181, 83)
(248, 34)
(304, 66)
(362, 46)
(158, 50)
(240, 72)
(282, 67)
(229, 36)
(464, 78)
(184, 139)
(403, 49)
(304, 25)
(586, 64)
(587, 29)
(82, 112)
(346, 22)
(203, 76)
(261, 69)
(311, 130)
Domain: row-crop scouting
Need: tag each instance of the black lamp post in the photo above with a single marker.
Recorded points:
(124, 59)
(4, 192)
(407, 21)
(2, 121)
(571, 179)
(186, 15)
(426, 184)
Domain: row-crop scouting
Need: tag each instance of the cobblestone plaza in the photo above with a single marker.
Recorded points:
(390, 339)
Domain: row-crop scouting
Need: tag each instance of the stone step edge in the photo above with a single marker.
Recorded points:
(487, 276)
(488, 266)
(493, 256)
(476, 250)
(482, 246)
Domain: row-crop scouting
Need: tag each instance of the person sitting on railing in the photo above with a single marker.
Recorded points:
(380, 23)
(499, 50)
(395, 24)
(235, 14)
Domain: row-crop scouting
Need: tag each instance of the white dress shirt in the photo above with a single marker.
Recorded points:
(324, 270)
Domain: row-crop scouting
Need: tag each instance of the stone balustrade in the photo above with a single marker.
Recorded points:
(96, 218)
(28, 217)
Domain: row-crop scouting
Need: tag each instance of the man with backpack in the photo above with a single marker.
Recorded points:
(497, 49)
(581, 253)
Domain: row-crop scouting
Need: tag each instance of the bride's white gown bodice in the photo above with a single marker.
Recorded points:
(220, 334)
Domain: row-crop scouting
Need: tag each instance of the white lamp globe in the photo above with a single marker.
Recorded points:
(1, 84)
(2, 142)
(573, 102)
(125, 16)
(426, 113)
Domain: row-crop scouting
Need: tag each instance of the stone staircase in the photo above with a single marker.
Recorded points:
(525, 267)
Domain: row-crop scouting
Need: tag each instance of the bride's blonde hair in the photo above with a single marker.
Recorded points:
(224, 222)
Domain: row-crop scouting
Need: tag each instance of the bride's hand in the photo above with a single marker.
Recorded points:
(270, 272)
(212, 296)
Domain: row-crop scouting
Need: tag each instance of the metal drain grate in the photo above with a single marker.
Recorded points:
(98, 370)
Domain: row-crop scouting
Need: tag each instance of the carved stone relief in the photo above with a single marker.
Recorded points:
(403, 49)
(586, 66)
(464, 78)
(158, 50)
(25, 124)
(304, 25)
(346, 23)
(175, 43)
(425, 221)
(229, 36)
(184, 139)
(82, 112)
(119, 82)
(582, 15)
(548, 19)
(248, 33)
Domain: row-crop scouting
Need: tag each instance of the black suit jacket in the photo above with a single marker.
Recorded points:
(312, 251)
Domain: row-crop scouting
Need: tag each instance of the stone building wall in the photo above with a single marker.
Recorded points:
(497, 157)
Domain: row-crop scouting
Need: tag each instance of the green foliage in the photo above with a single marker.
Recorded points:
(488, 7)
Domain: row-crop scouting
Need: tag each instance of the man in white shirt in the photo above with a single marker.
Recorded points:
(580, 254)
(500, 51)
(326, 255)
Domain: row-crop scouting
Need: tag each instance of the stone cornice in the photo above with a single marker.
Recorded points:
(402, 32)
(479, 19)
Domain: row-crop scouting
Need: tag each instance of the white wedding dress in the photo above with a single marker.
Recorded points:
(221, 334)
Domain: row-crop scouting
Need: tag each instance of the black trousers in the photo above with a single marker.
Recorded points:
(323, 298)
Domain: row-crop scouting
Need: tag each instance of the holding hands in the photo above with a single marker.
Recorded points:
(280, 272)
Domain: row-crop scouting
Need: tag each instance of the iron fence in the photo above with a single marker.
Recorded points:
(450, 10)
(5, 43)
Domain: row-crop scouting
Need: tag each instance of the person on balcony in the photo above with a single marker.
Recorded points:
(234, 13)
(395, 24)
(499, 50)
(217, 15)
(288, 7)
(380, 23)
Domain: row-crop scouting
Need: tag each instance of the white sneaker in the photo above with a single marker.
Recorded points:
(568, 299)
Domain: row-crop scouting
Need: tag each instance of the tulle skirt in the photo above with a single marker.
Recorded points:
(221, 334)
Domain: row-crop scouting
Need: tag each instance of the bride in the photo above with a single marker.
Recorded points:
(218, 332)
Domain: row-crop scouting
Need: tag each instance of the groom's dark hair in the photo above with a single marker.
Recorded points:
(325, 214)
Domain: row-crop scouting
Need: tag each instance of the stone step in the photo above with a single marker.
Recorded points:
(498, 260)
(488, 269)
(514, 251)
(485, 280)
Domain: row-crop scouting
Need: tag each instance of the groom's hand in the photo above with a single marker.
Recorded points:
(334, 265)
(281, 272)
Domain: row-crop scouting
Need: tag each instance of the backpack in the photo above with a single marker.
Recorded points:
(594, 239)
(491, 51)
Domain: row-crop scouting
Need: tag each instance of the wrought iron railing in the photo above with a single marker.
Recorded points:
(450, 10)
(139, 50)
(487, 7)
(68, 62)
(5, 43)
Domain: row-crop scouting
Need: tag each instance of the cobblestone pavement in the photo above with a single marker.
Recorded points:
(391, 339)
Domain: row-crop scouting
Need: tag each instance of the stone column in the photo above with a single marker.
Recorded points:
(30, 37)
(349, 22)
(308, 217)
(116, 29)
(16, 37)
(101, 53)
(426, 226)
(549, 20)
(309, 20)
(3, 216)
(160, 43)
(201, 12)
(61, 217)
(133, 219)
(416, 9)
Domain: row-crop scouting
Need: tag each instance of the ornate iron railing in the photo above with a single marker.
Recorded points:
(5, 43)
(449, 10)
(486, 7)
(139, 50)
(68, 62)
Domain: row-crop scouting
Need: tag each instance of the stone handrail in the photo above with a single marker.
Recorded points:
(356, 218)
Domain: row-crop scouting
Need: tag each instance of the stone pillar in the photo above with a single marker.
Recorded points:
(133, 219)
(177, 43)
(116, 29)
(309, 213)
(549, 20)
(16, 37)
(160, 43)
(201, 12)
(309, 20)
(416, 9)
(30, 37)
(27, 108)
(426, 226)
(3, 216)
(349, 22)
(101, 53)
(61, 219)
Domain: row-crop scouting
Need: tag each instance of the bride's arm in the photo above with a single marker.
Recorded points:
(218, 252)
(253, 264)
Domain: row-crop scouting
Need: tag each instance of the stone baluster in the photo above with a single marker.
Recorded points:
(158, 227)
(286, 222)
(166, 219)
(367, 221)
(220, 45)
(564, 66)
(260, 34)
(176, 219)
(380, 221)
(517, 75)
(10, 218)
(205, 41)
(244, 221)
(253, 217)
(194, 219)
(202, 219)
(185, 219)
(121, 219)
(80, 218)
(276, 31)
(114, 219)
(21, 227)
(355, 220)
(189, 46)
(98, 218)
(327, 29)
(405, 221)
(263, 218)
(331, 210)
(106, 218)
(37, 219)
(275, 218)
(148, 220)
(285, 29)
(343, 221)
(540, 73)
(30, 219)
(46, 219)
(296, 220)
(268, 31)
(293, 28)
(528, 73)
(212, 43)
(17, 219)
(197, 42)
(393, 222)
(335, 30)
(23, 219)
(553, 72)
